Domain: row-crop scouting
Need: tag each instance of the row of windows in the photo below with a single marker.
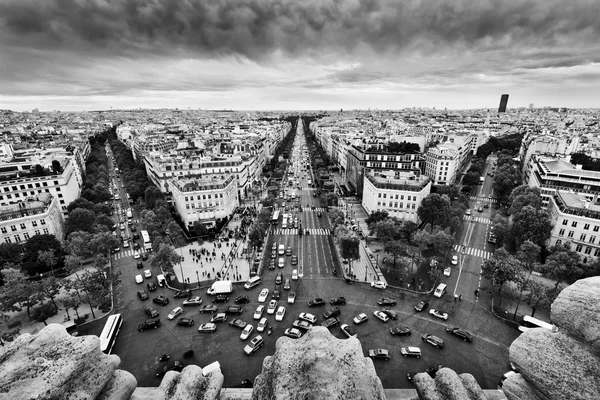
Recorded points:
(204, 197)
(17, 238)
(397, 205)
(32, 193)
(203, 205)
(582, 237)
(408, 197)
(585, 226)
(23, 225)
(29, 185)
(587, 250)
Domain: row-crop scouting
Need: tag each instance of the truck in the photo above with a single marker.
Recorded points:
(220, 287)
(129, 214)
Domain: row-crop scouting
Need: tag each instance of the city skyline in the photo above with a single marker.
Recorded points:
(285, 55)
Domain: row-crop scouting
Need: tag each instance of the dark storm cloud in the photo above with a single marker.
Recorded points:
(256, 28)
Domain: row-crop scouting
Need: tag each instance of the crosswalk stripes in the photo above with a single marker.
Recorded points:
(313, 231)
(316, 209)
(486, 255)
(483, 199)
(478, 219)
(127, 253)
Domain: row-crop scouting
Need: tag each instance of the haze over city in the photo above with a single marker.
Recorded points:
(250, 54)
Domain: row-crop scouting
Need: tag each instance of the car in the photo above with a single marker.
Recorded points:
(316, 302)
(148, 273)
(280, 313)
(151, 286)
(400, 330)
(237, 323)
(177, 311)
(302, 324)
(272, 306)
(208, 308)
(274, 255)
(433, 340)
(293, 333)
(468, 212)
(151, 311)
(208, 327)
(219, 317)
(276, 293)
(149, 324)
(332, 312)
(447, 271)
(170, 366)
(139, 279)
(140, 265)
(422, 305)
(278, 279)
(410, 351)
(136, 235)
(192, 301)
(182, 294)
(235, 309)
(288, 251)
(338, 300)
(246, 332)
(259, 312)
(308, 317)
(262, 324)
(255, 344)
(330, 322)
(162, 300)
(185, 322)
(262, 297)
(272, 264)
(379, 354)
(136, 255)
(281, 262)
(142, 294)
(381, 316)
(287, 284)
(454, 260)
(295, 275)
(291, 298)
(460, 333)
(348, 330)
(294, 260)
(221, 298)
(439, 314)
(379, 284)
(144, 256)
(386, 301)
(360, 318)
(390, 313)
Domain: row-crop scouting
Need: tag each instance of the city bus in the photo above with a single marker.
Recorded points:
(275, 218)
(528, 322)
(146, 239)
(110, 332)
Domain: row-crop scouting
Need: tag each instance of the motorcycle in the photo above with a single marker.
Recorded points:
(164, 357)
(270, 330)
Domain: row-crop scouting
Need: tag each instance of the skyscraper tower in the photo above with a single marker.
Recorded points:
(503, 103)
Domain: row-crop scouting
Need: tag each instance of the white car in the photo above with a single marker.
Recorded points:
(439, 314)
(293, 333)
(125, 244)
(280, 313)
(246, 332)
(295, 275)
(468, 212)
(272, 307)
(177, 311)
(148, 273)
(136, 255)
(447, 271)
(454, 260)
(262, 297)
(308, 317)
(360, 318)
(139, 278)
(291, 297)
(262, 324)
(381, 315)
(379, 284)
(281, 262)
(259, 311)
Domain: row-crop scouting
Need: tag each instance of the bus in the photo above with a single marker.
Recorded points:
(528, 322)
(275, 218)
(110, 332)
(146, 239)
(129, 214)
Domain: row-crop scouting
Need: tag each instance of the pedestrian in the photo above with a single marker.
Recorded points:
(455, 297)
(460, 297)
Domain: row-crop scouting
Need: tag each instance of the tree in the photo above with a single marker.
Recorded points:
(442, 242)
(531, 224)
(523, 196)
(18, 291)
(452, 191)
(471, 178)
(71, 301)
(336, 218)
(407, 229)
(175, 234)
(50, 287)
(561, 265)
(43, 243)
(81, 219)
(47, 258)
(377, 216)
(501, 268)
(529, 256)
(78, 244)
(256, 236)
(9, 253)
(396, 248)
(165, 257)
(385, 230)
(506, 179)
(43, 312)
(349, 248)
(103, 243)
(502, 230)
(435, 210)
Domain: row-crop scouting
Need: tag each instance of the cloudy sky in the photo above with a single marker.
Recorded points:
(298, 54)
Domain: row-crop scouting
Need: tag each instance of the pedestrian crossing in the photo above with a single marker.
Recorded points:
(484, 199)
(127, 253)
(316, 209)
(486, 255)
(313, 231)
(477, 219)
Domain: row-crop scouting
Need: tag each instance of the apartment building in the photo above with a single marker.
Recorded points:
(400, 194)
(36, 215)
(445, 161)
(207, 200)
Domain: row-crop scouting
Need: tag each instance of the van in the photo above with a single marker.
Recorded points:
(254, 281)
(440, 290)
(281, 249)
(161, 280)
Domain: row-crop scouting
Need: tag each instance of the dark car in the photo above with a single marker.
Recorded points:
(234, 310)
(136, 235)
(464, 335)
(237, 323)
(181, 294)
(142, 294)
(386, 301)
(140, 265)
(433, 340)
(333, 312)
(136, 246)
(151, 286)
(151, 311)
(162, 300)
(330, 322)
(208, 308)
(338, 300)
(221, 298)
(316, 302)
(272, 264)
(276, 293)
(421, 306)
(170, 366)
(390, 313)
(278, 279)
(185, 322)
(400, 331)
(149, 324)
(144, 256)
(379, 354)
(242, 300)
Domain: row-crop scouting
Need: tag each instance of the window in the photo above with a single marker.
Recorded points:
(37, 232)
(596, 252)
(586, 226)
(571, 233)
(13, 228)
(578, 248)
(46, 232)
(17, 238)
(592, 239)
(34, 223)
(43, 221)
(23, 225)
(3, 229)
(7, 240)
(561, 232)
(565, 222)
(574, 224)
(588, 250)
(582, 237)
(26, 236)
